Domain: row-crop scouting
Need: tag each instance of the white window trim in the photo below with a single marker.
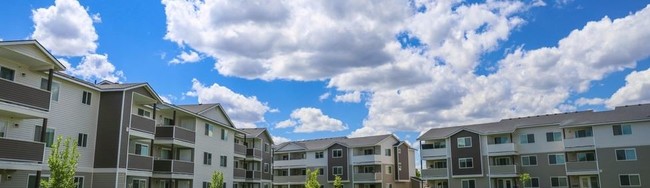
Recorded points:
(619, 180)
(334, 171)
(522, 160)
(635, 155)
(466, 146)
(550, 179)
(531, 182)
(460, 167)
(463, 180)
(549, 160)
(527, 141)
(334, 151)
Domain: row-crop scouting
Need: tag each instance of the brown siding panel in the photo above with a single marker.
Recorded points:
(108, 129)
(138, 162)
(403, 158)
(24, 95)
(18, 150)
(343, 161)
(143, 124)
(473, 152)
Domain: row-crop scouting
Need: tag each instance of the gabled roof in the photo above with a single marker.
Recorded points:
(200, 116)
(202, 108)
(255, 132)
(324, 143)
(25, 48)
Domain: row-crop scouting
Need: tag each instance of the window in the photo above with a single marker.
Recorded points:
(586, 156)
(165, 153)
(139, 183)
(207, 158)
(224, 185)
(389, 169)
(49, 136)
(387, 152)
(87, 98)
(389, 185)
(266, 167)
(82, 140)
(318, 155)
(141, 149)
(223, 161)
(439, 144)
(267, 146)
(527, 138)
(224, 135)
(530, 160)
(168, 121)
(143, 113)
(556, 159)
(465, 163)
(79, 181)
(501, 140)
(368, 151)
(368, 169)
(622, 129)
(500, 161)
(337, 170)
(440, 164)
(464, 142)
(337, 153)
(628, 154)
(32, 179)
(208, 130)
(553, 136)
(559, 182)
(321, 171)
(206, 184)
(583, 133)
(468, 183)
(534, 182)
(629, 180)
(3, 128)
(7, 73)
(55, 89)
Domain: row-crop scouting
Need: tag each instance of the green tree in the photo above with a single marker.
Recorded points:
(63, 165)
(417, 173)
(338, 182)
(524, 177)
(217, 180)
(312, 179)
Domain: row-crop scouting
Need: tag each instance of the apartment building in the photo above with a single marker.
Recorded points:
(253, 160)
(126, 135)
(584, 149)
(365, 162)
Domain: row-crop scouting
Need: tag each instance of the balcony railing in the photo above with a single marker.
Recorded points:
(367, 176)
(507, 148)
(504, 170)
(176, 133)
(24, 95)
(289, 179)
(173, 166)
(435, 173)
(253, 153)
(143, 124)
(434, 153)
(21, 151)
(583, 142)
(139, 162)
(240, 149)
(254, 175)
(360, 159)
(585, 167)
(239, 173)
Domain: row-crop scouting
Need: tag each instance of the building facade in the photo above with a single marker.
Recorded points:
(579, 149)
(253, 159)
(364, 162)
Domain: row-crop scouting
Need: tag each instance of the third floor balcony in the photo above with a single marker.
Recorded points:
(435, 173)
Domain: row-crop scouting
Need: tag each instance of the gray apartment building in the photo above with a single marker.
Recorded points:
(586, 149)
(381, 161)
(253, 158)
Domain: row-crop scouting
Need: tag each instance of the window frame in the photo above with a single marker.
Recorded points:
(82, 140)
(462, 181)
(529, 163)
(334, 151)
(553, 134)
(556, 154)
(224, 134)
(209, 130)
(207, 158)
(387, 152)
(223, 161)
(334, 170)
(628, 179)
(566, 181)
(586, 156)
(87, 98)
(142, 144)
(13, 73)
(464, 142)
(531, 183)
(622, 129)
(144, 113)
(625, 152)
(460, 161)
(528, 140)
(319, 155)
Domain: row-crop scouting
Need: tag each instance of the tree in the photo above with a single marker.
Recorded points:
(524, 177)
(417, 173)
(63, 165)
(217, 180)
(312, 179)
(338, 182)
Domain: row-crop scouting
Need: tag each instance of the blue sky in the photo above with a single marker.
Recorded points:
(310, 69)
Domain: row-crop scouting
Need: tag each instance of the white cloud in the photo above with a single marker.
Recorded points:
(324, 96)
(635, 91)
(280, 140)
(307, 120)
(65, 28)
(589, 101)
(94, 67)
(351, 97)
(368, 131)
(245, 111)
(185, 57)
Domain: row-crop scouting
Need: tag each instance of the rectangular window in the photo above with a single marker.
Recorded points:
(559, 182)
(439, 144)
(144, 113)
(501, 140)
(468, 183)
(628, 154)
(534, 182)
(3, 128)
(556, 159)
(464, 142)
(629, 179)
(49, 136)
(465, 163)
(267, 149)
(206, 184)
(168, 121)
(337, 153)
(527, 138)
(622, 130)
(530, 160)
(501, 161)
(7, 73)
(387, 152)
(586, 156)
(79, 181)
(224, 134)
(87, 97)
(139, 183)
(440, 164)
(321, 171)
(337, 170)
(266, 167)
(31, 179)
(82, 140)
(389, 169)
(223, 161)
(583, 133)
(318, 155)
(368, 151)
(207, 158)
(553, 136)
(55, 89)
(208, 130)
(141, 149)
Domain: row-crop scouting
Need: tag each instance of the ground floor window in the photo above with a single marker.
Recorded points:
(630, 180)
(468, 183)
(139, 183)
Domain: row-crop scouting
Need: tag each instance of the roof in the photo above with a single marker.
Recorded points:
(255, 132)
(108, 85)
(198, 108)
(15, 47)
(324, 143)
(627, 113)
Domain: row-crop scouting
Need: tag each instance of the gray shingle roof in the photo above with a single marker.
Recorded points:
(320, 144)
(619, 114)
(197, 108)
(252, 132)
(117, 86)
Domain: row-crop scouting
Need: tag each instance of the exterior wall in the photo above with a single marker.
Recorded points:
(343, 161)
(604, 136)
(403, 168)
(19, 178)
(217, 147)
(611, 168)
(473, 152)
(543, 170)
(216, 115)
(540, 145)
(108, 123)
(480, 182)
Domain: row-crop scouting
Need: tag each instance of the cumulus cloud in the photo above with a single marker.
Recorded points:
(186, 57)
(245, 111)
(351, 97)
(280, 140)
(324, 96)
(307, 120)
(635, 91)
(94, 67)
(65, 28)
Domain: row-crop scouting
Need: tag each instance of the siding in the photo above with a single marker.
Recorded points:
(108, 124)
(473, 152)
(343, 161)
(610, 168)
(403, 158)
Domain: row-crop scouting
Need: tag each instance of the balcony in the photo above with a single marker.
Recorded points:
(579, 143)
(253, 153)
(366, 159)
(439, 153)
(581, 168)
(175, 133)
(502, 149)
(240, 149)
(21, 151)
(367, 176)
(289, 162)
(24, 95)
(503, 171)
(253, 175)
(138, 162)
(143, 124)
(290, 179)
(169, 166)
(239, 173)
(435, 173)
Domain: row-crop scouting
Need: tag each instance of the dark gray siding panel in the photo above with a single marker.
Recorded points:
(473, 152)
(403, 158)
(108, 130)
(267, 157)
(543, 170)
(24, 95)
(18, 150)
(103, 180)
(126, 122)
(343, 161)
(610, 168)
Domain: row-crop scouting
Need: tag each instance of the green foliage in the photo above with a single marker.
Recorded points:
(524, 177)
(417, 173)
(312, 179)
(217, 180)
(338, 182)
(63, 165)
